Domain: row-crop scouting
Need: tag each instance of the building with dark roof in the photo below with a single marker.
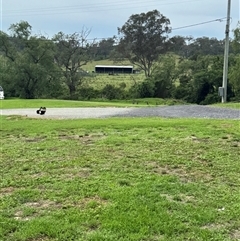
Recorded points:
(114, 69)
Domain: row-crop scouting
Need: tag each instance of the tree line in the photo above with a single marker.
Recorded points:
(174, 67)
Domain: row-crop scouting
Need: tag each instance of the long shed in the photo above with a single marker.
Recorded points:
(114, 69)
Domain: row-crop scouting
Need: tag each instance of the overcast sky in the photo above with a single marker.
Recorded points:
(103, 17)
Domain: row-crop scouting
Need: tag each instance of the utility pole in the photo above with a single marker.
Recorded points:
(226, 52)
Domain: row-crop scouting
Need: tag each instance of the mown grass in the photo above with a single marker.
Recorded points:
(53, 103)
(99, 81)
(233, 105)
(119, 179)
(36, 103)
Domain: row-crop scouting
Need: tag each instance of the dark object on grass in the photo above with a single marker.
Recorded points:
(41, 111)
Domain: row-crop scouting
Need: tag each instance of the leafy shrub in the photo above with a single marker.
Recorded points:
(88, 93)
(210, 99)
(145, 89)
(111, 92)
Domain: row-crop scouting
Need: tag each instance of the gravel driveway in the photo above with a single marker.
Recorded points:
(177, 111)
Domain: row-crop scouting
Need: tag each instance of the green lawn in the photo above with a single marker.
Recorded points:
(99, 81)
(36, 103)
(127, 179)
(229, 105)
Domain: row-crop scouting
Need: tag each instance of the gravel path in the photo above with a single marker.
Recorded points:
(177, 111)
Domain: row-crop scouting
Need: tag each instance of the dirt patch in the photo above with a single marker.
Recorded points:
(34, 139)
(39, 239)
(70, 174)
(83, 173)
(86, 203)
(235, 144)
(87, 139)
(6, 191)
(167, 170)
(37, 208)
(157, 238)
(213, 226)
(42, 204)
(37, 175)
(233, 234)
(236, 234)
(19, 215)
(16, 117)
(197, 139)
(181, 173)
(226, 125)
(179, 198)
(92, 201)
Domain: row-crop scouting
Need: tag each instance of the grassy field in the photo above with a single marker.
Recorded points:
(228, 105)
(127, 179)
(36, 103)
(98, 81)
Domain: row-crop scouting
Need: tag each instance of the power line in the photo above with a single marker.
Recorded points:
(90, 8)
(97, 7)
(187, 26)
(196, 24)
(173, 29)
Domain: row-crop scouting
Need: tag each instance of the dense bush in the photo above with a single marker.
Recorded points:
(87, 93)
(145, 89)
(111, 92)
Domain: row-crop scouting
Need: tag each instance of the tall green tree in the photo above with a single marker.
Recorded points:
(188, 47)
(72, 52)
(164, 76)
(177, 44)
(5, 79)
(104, 48)
(205, 46)
(184, 74)
(143, 38)
(30, 61)
(236, 40)
(234, 70)
(199, 79)
(234, 77)
(39, 71)
(21, 30)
